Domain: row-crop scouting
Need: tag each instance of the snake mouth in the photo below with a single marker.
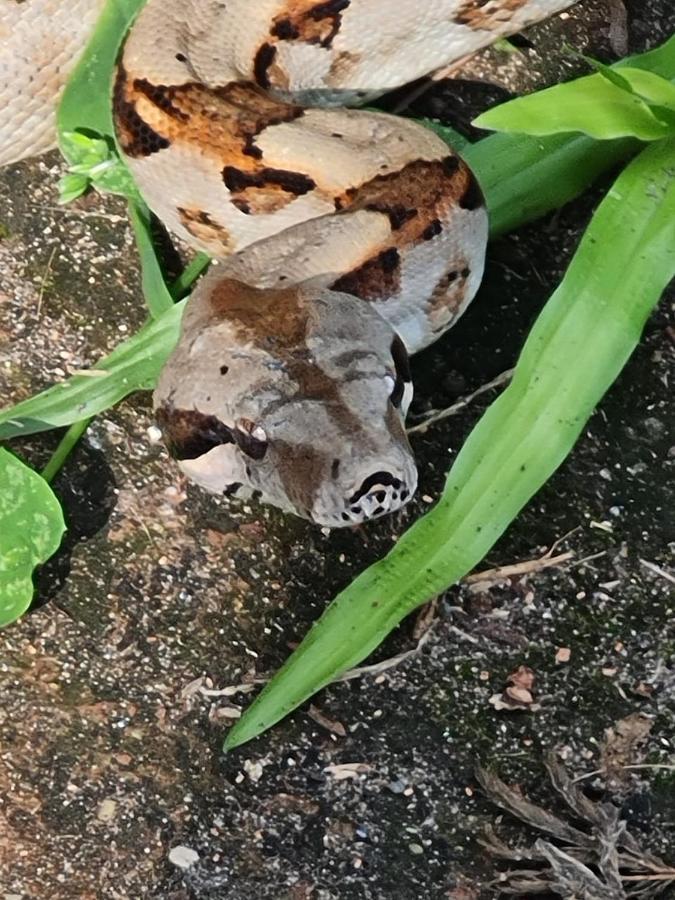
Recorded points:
(379, 494)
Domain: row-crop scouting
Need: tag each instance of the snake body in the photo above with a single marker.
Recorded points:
(345, 238)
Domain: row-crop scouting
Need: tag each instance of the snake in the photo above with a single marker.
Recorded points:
(343, 239)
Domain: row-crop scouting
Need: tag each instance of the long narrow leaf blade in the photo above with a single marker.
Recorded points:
(592, 105)
(155, 290)
(576, 349)
(133, 366)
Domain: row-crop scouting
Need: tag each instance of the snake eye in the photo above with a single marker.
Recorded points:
(250, 438)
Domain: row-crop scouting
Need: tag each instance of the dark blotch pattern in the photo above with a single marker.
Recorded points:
(293, 182)
(450, 165)
(376, 279)
(398, 214)
(249, 445)
(190, 434)
(285, 30)
(161, 96)
(263, 60)
(377, 478)
(311, 24)
(137, 138)
(432, 229)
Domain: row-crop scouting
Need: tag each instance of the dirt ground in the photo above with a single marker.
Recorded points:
(113, 701)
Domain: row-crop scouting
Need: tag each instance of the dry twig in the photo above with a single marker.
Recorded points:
(437, 415)
(501, 573)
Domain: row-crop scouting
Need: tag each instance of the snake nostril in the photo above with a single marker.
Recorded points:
(377, 480)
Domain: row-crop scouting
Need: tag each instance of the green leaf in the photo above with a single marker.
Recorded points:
(651, 88)
(71, 187)
(82, 150)
(577, 347)
(31, 528)
(93, 161)
(86, 98)
(157, 295)
(84, 118)
(600, 106)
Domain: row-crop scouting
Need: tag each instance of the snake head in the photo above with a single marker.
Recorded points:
(296, 397)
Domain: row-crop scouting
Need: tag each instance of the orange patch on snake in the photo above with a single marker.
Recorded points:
(415, 195)
(482, 15)
(447, 297)
(255, 313)
(415, 199)
(222, 121)
(205, 229)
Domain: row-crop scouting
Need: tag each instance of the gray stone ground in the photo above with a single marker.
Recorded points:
(109, 739)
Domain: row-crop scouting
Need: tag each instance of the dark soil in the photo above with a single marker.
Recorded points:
(110, 740)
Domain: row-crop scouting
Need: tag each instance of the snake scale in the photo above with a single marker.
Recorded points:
(345, 239)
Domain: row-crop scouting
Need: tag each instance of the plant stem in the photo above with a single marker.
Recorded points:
(65, 447)
(189, 275)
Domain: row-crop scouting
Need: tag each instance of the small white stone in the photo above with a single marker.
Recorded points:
(154, 434)
(253, 769)
(106, 810)
(183, 857)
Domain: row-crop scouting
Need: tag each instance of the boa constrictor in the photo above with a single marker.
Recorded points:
(345, 238)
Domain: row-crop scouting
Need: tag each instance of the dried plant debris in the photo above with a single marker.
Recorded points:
(599, 861)
(625, 744)
(517, 695)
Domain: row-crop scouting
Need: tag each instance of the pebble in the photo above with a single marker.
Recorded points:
(183, 857)
(106, 810)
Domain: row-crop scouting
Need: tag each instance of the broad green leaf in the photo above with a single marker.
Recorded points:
(86, 101)
(94, 155)
(524, 177)
(651, 88)
(596, 105)
(31, 528)
(576, 349)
